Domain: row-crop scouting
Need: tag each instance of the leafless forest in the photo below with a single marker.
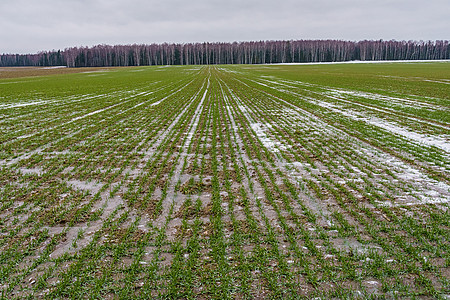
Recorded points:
(262, 52)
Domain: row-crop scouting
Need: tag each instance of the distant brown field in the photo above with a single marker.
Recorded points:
(18, 72)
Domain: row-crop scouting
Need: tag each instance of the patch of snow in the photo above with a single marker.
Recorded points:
(37, 171)
(97, 71)
(55, 67)
(242, 108)
(260, 129)
(84, 185)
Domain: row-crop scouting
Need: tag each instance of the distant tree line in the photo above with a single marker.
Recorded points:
(262, 52)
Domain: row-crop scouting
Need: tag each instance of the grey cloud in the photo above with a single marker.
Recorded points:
(30, 26)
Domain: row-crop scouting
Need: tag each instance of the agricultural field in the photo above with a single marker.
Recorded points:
(236, 181)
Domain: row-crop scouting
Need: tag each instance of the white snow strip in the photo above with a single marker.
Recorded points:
(391, 101)
(363, 62)
(65, 100)
(97, 71)
(242, 108)
(14, 82)
(22, 104)
(92, 113)
(55, 67)
(197, 114)
(137, 105)
(156, 103)
(109, 107)
(436, 81)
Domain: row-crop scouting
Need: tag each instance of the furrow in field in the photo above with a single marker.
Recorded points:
(65, 246)
(368, 110)
(122, 101)
(439, 141)
(256, 189)
(179, 161)
(384, 101)
(431, 187)
(359, 208)
(244, 162)
(64, 138)
(159, 148)
(227, 183)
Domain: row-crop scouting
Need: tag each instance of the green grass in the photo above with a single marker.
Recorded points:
(226, 182)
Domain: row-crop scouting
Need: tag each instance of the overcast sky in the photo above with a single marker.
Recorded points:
(28, 26)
